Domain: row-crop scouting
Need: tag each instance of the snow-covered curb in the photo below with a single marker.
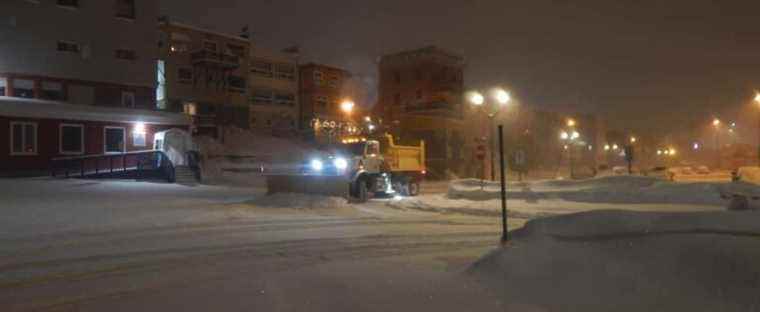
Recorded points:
(299, 201)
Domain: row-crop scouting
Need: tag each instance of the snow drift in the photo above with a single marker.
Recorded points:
(629, 261)
(299, 201)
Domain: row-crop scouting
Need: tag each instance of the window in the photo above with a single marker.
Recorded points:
(318, 77)
(114, 138)
(185, 75)
(23, 88)
(179, 47)
(236, 83)
(139, 137)
(23, 138)
(190, 108)
(124, 54)
(161, 79)
(287, 99)
(71, 140)
(68, 46)
(321, 101)
(236, 50)
(3, 86)
(69, 3)
(209, 46)
(262, 68)
(128, 99)
(125, 9)
(286, 71)
(52, 90)
(261, 97)
(333, 81)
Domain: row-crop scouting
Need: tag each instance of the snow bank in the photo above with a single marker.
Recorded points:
(243, 156)
(628, 261)
(610, 189)
(300, 201)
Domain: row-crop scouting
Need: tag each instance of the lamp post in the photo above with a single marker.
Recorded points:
(716, 124)
(568, 138)
(757, 100)
(500, 98)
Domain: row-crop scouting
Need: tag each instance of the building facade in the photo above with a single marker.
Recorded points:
(70, 89)
(421, 98)
(203, 74)
(273, 91)
(322, 91)
(52, 51)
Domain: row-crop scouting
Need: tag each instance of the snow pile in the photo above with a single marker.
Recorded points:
(299, 201)
(609, 189)
(629, 261)
(441, 204)
(242, 156)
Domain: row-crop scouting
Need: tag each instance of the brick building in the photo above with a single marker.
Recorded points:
(322, 90)
(421, 98)
(273, 84)
(204, 74)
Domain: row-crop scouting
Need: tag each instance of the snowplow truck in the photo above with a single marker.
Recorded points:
(358, 169)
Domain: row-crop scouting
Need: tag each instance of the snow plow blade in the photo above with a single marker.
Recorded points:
(337, 186)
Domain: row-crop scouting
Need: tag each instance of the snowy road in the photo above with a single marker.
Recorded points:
(210, 249)
(125, 246)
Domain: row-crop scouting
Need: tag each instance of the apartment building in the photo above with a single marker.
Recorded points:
(204, 74)
(421, 97)
(77, 77)
(273, 86)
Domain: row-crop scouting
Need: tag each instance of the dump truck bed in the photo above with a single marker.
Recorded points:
(402, 158)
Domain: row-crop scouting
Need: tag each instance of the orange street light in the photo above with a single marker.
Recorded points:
(347, 106)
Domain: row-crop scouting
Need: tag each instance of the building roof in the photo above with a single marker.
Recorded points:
(202, 30)
(34, 108)
(307, 65)
(424, 52)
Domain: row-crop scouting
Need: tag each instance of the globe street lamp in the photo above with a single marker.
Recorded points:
(500, 98)
(568, 138)
(716, 124)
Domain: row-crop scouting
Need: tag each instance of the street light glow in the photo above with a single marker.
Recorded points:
(502, 96)
(606, 147)
(672, 151)
(696, 146)
(575, 135)
(615, 146)
(477, 98)
(633, 139)
(757, 97)
(564, 135)
(716, 122)
(570, 122)
(347, 106)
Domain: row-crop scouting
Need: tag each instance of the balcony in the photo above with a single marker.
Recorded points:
(204, 120)
(214, 59)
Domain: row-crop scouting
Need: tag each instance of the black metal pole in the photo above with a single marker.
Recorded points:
(504, 233)
(491, 148)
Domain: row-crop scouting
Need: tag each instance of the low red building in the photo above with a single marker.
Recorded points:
(32, 132)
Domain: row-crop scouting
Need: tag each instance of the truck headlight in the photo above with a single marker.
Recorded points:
(340, 163)
(316, 165)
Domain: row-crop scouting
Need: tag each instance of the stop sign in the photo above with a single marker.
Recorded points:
(480, 152)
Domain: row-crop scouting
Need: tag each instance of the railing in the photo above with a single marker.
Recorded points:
(143, 164)
(211, 57)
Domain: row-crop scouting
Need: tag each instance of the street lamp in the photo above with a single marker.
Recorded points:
(716, 124)
(500, 99)
(571, 122)
(757, 100)
(569, 139)
(347, 106)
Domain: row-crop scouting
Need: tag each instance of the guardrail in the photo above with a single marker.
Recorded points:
(143, 164)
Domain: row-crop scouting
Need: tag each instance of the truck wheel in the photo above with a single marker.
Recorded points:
(413, 188)
(360, 192)
(738, 203)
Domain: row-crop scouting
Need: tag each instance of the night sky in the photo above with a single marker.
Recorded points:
(673, 64)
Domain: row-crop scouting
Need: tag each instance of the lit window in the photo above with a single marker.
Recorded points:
(23, 88)
(68, 46)
(124, 54)
(139, 135)
(52, 90)
(23, 138)
(179, 47)
(128, 99)
(114, 140)
(71, 139)
(190, 109)
(69, 3)
(125, 9)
